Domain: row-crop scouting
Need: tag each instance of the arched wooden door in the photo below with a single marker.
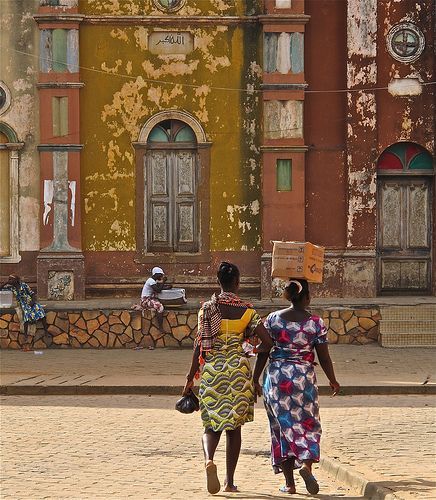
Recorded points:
(171, 183)
(404, 237)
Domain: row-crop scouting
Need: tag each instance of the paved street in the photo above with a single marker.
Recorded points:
(123, 447)
(370, 365)
(391, 440)
(139, 447)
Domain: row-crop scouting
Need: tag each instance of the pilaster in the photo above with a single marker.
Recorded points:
(60, 264)
(283, 148)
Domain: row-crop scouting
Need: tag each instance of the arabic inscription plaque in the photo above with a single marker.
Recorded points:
(170, 42)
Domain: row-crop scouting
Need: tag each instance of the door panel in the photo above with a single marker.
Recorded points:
(160, 219)
(157, 202)
(406, 275)
(186, 223)
(404, 235)
(185, 173)
(159, 173)
(418, 220)
(390, 223)
(185, 202)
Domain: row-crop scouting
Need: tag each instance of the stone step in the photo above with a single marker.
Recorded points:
(415, 326)
(409, 313)
(249, 290)
(408, 339)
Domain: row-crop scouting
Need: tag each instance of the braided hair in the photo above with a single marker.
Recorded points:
(227, 273)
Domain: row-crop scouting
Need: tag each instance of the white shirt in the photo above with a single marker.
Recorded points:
(147, 290)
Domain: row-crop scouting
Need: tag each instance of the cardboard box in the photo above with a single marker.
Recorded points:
(295, 259)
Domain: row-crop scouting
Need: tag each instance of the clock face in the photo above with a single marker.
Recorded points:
(405, 42)
(169, 5)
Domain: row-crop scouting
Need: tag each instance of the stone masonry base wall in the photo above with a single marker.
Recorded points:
(129, 329)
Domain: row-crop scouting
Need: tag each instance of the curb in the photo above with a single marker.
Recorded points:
(369, 489)
(173, 390)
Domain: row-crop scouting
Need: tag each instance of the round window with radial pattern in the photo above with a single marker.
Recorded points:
(405, 42)
(169, 5)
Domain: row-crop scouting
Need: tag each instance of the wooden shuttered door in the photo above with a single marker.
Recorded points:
(171, 201)
(404, 235)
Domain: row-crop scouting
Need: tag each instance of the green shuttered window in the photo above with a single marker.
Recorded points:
(60, 116)
(284, 175)
(60, 50)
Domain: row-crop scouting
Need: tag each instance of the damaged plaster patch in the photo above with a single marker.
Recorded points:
(253, 208)
(21, 84)
(362, 189)
(400, 87)
(29, 224)
(114, 69)
(365, 106)
(221, 6)
(119, 34)
(362, 28)
(20, 115)
(358, 74)
(120, 228)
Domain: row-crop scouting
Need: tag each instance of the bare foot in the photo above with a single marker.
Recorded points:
(230, 488)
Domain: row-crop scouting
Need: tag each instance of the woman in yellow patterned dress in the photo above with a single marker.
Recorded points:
(227, 391)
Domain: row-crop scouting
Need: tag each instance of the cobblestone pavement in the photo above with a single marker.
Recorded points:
(125, 447)
(391, 440)
(369, 365)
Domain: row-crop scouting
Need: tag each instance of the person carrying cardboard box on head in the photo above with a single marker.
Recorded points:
(299, 260)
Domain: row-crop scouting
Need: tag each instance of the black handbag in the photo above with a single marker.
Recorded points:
(188, 403)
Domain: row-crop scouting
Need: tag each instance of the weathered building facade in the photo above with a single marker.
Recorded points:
(181, 133)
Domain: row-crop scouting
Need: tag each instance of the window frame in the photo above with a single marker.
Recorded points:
(202, 148)
(13, 147)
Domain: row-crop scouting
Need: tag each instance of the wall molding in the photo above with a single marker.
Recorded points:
(60, 147)
(171, 20)
(60, 85)
(284, 149)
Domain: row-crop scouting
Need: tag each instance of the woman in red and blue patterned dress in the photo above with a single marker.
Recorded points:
(289, 387)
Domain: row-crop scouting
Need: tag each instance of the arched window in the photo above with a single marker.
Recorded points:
(172, 131)
(405, 156)
(404, 219)
(9, 146)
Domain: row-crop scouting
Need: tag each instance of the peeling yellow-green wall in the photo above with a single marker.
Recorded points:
(125, 85)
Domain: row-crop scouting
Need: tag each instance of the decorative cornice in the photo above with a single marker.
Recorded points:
(169, 20)
(337, 253)
(283, 19)
(60, 85)
(405, 173)
(60, 147)
(357, 253)
(172, 20)
(12, 146)
(58, 18)
(284, 149)
(284, 86)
